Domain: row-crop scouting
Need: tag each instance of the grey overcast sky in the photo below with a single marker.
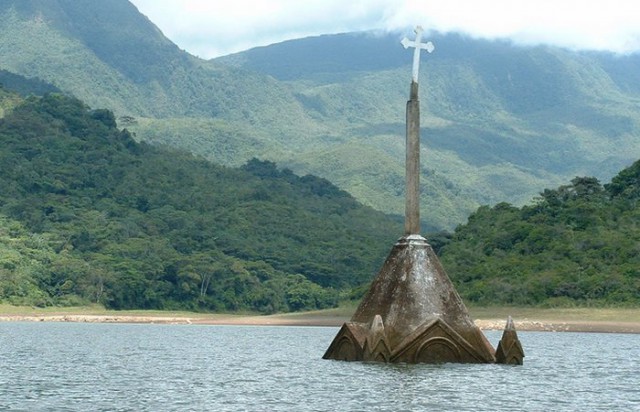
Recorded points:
(211, 28)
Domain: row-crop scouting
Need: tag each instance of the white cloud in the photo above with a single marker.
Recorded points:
(210, 28)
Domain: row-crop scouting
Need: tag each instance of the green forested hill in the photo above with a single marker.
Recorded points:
(24, 86)
(89, 215)
(109, 55)
(576, 245)
(12, 86)
(500, 122)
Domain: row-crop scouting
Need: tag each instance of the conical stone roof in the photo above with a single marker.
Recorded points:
(423, 317)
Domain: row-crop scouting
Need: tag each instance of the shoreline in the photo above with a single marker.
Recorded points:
(313, 319)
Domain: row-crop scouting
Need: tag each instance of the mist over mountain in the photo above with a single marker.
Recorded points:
(500, 122)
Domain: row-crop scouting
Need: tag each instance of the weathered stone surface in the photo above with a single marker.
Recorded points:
(348, 345)
(509, 349)
(412, 313)
(412, 184)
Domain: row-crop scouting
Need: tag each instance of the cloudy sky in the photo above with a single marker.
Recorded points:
(211, 28)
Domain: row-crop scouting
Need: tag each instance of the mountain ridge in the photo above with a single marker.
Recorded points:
(500, 122)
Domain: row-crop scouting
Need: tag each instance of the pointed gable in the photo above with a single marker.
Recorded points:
(437, 342)
(348, 343)
(509, 350)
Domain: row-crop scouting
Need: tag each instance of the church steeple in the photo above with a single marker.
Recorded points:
(412, 312)
(412, 174)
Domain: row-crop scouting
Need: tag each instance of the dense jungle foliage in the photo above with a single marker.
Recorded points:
(87, 214)
(500, 122)
(578, 244)
(25, 86)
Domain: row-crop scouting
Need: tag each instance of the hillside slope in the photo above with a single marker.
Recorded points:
(89, 215)
(111, 56)
(500, 122)
(576, 245)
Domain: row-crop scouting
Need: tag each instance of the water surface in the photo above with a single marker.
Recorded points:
(116, 367)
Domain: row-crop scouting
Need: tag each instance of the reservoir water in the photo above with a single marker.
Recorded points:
(123, 367)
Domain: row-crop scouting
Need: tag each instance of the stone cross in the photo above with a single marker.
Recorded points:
(412, 188)
(416, 54)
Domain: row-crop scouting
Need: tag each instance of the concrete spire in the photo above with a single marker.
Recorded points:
(412, 174)
(412, 312)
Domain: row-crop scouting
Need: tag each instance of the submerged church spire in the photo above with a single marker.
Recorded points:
(412, 174)
(412, 312)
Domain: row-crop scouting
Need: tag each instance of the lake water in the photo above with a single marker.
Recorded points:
(116, 367)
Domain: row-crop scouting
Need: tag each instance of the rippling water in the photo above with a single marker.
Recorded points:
(115, 367)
